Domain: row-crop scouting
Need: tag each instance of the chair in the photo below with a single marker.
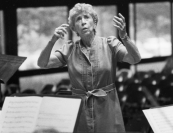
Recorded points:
(153, 87)
(166, 87)
(48, 89)
(29, 91)
(166, 95)
(143, 75)
(122, 95)
(64, 87)
(136, 97)
(138, 124)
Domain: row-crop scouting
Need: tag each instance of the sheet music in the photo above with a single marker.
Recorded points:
(19, 114)
(160, 119)
(0, 114)
(58, 114)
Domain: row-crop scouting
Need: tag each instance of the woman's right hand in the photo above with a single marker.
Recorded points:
(60, 32)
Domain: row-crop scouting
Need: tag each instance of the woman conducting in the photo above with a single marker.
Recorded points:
(91, 63)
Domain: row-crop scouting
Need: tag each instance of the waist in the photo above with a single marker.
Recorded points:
(95, 92)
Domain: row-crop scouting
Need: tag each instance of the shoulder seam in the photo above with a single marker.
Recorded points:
(109, 45)
(71, 50)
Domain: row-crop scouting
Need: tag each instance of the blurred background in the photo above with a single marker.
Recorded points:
(27, 25)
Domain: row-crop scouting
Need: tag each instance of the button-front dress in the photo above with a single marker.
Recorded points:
(92, 75)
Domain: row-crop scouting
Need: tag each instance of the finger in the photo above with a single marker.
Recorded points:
(118, 23)
(58, 31)
(118, 19)
(122, 17)
(65, 26)
(121, 27)
(63, 29)
(61, 32)
(56, 34)
(118, 27)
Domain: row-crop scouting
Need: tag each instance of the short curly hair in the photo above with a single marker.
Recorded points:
(79, 8)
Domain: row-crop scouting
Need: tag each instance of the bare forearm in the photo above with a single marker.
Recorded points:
(132, 50)
(132, 55)
(44, 57)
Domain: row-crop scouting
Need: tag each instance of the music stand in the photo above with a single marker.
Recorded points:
(9, 64)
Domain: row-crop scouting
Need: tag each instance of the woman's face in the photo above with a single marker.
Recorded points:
(84, 24)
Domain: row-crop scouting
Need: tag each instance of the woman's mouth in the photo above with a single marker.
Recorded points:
(85, 29)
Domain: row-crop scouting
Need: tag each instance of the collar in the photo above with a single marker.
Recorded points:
(94, 43)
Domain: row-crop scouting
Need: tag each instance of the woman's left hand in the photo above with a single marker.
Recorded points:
(120, 24)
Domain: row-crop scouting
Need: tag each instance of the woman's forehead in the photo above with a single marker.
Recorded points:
(82, 13)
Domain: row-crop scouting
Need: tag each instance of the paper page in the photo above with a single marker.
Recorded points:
(0, 114)
(19, 114)
(58, 114)
(160, 119)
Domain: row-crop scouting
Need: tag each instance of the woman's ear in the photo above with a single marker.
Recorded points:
(72, 28)
(95, 25)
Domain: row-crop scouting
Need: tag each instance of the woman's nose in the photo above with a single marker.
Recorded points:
(83, 21)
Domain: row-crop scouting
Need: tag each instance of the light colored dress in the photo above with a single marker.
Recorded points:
(92, 75)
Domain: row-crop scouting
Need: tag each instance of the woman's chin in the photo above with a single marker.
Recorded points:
(86, 33)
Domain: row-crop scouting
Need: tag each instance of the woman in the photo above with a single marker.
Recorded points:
(92, 64)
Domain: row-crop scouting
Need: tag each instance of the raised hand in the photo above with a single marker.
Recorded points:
(120, 24)
(61, 31)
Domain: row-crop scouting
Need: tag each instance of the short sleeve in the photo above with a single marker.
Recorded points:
(65, 52)
(118, 49)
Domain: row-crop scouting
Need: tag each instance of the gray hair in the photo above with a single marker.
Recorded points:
(79, 8)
